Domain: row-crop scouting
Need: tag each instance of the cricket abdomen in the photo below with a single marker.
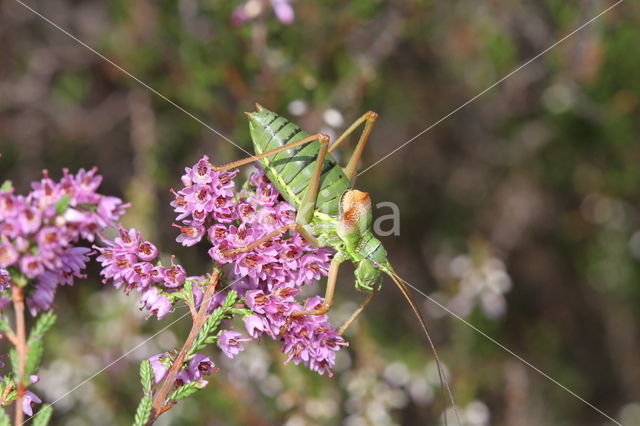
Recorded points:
(291, 170)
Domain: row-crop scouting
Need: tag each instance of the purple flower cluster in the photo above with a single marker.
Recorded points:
(267, 278)
(308, 339)
(39, 232)
(270, 275)
(131, 263)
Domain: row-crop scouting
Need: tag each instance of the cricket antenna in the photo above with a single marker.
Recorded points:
(407, 294)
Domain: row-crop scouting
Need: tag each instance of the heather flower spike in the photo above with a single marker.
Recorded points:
(259, 285)
(42, 247)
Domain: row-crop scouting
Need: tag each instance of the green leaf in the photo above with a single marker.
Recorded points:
(185, 391)
(213, 322)
(4, 419)
(7, 186)
(232, 296)
(241, 311)
(34, 356)
(13, 357)
(43, 325)
(43, 416)
(146, 376)
(63, 204)
(143, 411)
(4, 324)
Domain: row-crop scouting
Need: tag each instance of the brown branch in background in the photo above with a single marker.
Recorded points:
(158, 406)
(21, 350)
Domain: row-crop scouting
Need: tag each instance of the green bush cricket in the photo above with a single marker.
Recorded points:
(329, 211)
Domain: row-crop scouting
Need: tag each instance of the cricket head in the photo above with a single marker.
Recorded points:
(354, 228)
(368, 276)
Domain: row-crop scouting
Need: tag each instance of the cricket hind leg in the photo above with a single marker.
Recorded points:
(321, 137)
(369, 119)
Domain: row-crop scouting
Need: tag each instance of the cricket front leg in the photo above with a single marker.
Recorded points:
(328, 295)
(306, 235)
(356, 313)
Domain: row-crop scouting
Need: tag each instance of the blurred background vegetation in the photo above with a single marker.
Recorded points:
(520, 212)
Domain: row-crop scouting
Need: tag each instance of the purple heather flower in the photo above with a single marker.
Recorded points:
(158, 274)
(29, 219)
(196, 291)
(255, 325)
(160, 365)
(198, 367)
(129, 240)
(139, 276)
(313, 267)
(175, 276)
(5, 279)
(189, 235)
(41, 298)
(29, 398)
(156, 303)
(147, 251)
(31, 266)
(74, 260)
(8, 254)
(230, 343)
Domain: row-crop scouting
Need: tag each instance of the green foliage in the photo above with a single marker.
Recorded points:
(146, 376)
(185, 391)
(205, 336)
(35, 342)
(143, 411)
(4, 418)
(44, 323)
(34, 356)
(13, 359)
(4, 324)
(63, 204)
(144, 407)
(7, 185)
(43, 416)
(7, 387)
(71, 87)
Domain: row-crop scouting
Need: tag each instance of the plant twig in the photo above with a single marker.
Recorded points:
(21, 350)
(158, 406)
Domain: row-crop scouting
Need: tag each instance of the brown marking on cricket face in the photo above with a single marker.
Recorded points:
(354, 205)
